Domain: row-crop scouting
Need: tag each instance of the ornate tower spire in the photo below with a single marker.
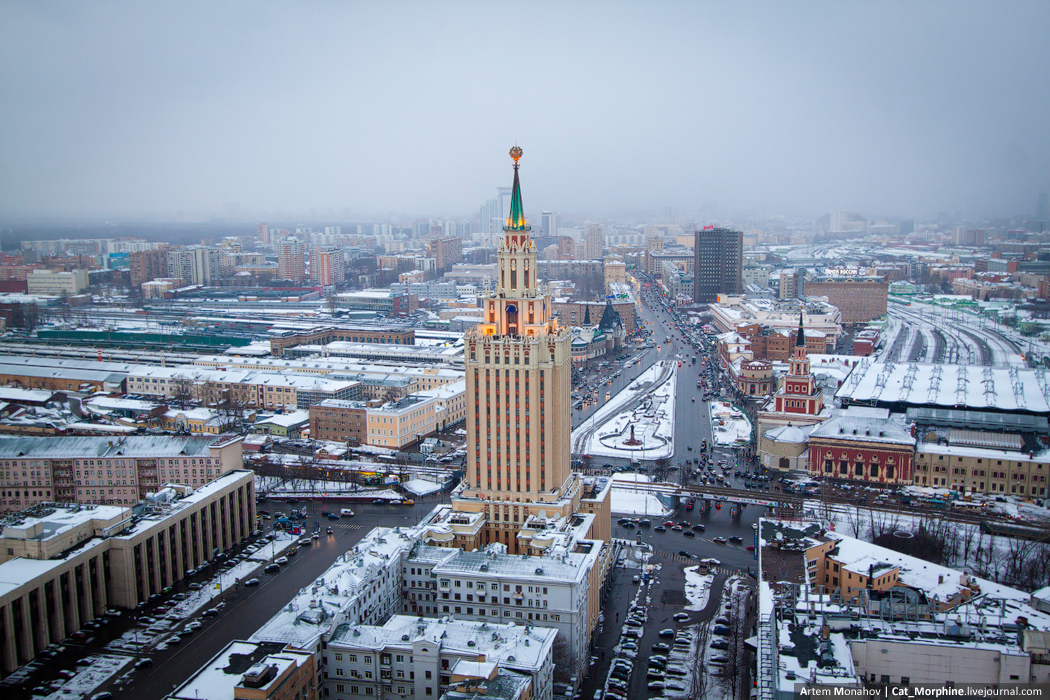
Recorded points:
(516, 220)
(800, 341)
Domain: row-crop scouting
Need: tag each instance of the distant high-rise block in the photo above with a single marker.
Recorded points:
(446, 251)
(263, 233)
(290, 259)
(593, 243)
(194, 265)
(147, 265)
(327, 266)
(550, 223)
(717, 264)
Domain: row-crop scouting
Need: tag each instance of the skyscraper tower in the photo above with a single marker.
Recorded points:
(718, 264)
(518, 374)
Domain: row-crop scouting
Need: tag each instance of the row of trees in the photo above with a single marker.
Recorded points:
(1018, 563)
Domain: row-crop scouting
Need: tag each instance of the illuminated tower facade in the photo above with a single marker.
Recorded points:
(518, 366)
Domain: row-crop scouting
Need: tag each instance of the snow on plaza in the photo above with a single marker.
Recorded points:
(729, 425)
(647, 405)
(629, 501)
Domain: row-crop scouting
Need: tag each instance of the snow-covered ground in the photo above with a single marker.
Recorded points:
(729, 426)
(697, 588)
(100, 669)
(422, 487)
(647, 404)
(631, 502)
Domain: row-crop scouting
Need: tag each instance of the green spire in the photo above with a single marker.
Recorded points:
(516, 219)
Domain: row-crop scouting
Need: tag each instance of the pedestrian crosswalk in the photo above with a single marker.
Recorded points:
(671, 556)
(346, 526)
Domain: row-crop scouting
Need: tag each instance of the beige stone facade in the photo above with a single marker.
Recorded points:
(125, 565)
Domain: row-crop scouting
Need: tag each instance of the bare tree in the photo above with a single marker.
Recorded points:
(561, 655)
(854, 520)
(882, 523)
(182, 391)
(734, 652)
(230, 410)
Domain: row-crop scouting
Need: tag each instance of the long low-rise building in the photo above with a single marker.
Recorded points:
(392, 424)
(450, 355)
(818, 315)
(64, 564)
(283, 340)
(246, 388)
(108, 470)
(368, 373)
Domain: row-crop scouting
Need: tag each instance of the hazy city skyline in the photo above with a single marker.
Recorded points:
(247, 111)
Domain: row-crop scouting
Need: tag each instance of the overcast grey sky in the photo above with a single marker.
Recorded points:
(157, 109)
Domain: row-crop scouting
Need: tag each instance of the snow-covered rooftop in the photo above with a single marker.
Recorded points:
(974, 386)
(518, 647)
(862, 428)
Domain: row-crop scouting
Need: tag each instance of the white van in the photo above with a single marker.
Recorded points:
(346, 512)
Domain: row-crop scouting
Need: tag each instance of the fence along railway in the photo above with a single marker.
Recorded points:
(788, 503)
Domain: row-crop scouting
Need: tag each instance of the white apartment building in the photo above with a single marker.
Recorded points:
(492, 587)
(392, 572)
(49, 282)
(363, 587)
(419, 658)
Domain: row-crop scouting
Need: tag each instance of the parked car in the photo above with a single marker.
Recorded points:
(719, 540)
(667, 633)
(681, 617)
(281, 560)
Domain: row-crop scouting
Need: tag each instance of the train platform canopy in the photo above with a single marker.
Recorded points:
(978, 420)
(906, 384)
(979, 438)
